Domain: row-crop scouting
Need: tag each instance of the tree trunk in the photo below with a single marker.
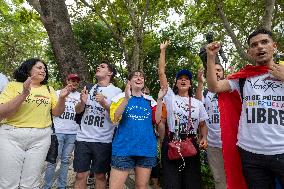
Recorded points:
(55, 18)
(268, 12)
(231, 33)
(137, 59)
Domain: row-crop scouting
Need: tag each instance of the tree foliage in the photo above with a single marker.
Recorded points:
(121, 29)
(21, 36)
(128, 21)
(243, 16)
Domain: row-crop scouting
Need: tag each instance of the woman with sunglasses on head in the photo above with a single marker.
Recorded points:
(26, 106)
(135, 144)
(185, 119)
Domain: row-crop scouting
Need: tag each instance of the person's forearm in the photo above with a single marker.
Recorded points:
(199, 91)
(105, 105)
(158, 113)
(120, 109)
(59, 108)
(211, 73)
(79, 108)
(162, 129)
(11, 107)
(161, 70)
(203, 131)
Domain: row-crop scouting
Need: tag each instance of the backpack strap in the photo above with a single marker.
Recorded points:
(241, 84)
(52, 124)
(89, 86)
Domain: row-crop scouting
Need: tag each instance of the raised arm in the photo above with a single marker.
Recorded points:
(162, 65)
(214, 85)
(79, 108)
(60, 106)
(199, 90)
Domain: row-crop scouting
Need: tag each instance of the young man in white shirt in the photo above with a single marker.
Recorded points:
(94, 138)
(214, 149)
(260, 136)
(66, 130)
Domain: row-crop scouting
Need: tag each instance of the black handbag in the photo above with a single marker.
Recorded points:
(53, 149)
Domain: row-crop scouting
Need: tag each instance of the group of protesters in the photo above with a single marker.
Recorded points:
(113, 132)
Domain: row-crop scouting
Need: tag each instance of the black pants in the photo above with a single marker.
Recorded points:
(260, 171)
(188, 178)
(155, 173)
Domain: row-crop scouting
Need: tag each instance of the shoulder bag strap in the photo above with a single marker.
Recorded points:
(52, 125)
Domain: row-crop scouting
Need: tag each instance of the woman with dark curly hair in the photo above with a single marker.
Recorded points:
(25, 106)
(185, 119)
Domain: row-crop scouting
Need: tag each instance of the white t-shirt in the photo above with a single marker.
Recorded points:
(65, 123)
(96, 125)
(261, 126)
(3, 82)
(177, 107)
(213, 123)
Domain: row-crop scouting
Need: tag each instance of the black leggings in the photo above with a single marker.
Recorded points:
(188, 178)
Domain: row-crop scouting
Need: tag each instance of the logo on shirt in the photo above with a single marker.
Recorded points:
(95, 116)
(183, 115)
(38, 99)
(266, 84)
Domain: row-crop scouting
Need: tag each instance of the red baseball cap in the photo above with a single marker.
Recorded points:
(73, 76)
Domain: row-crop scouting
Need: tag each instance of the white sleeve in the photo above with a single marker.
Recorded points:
(202, 113)
(57, 93)
(168, 98)
(169, 95)
(3, 82)
(234, 84)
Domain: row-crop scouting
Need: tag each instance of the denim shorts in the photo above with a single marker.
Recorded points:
(130, 162)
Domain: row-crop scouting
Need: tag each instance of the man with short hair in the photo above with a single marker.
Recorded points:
(93, 142)
(258, 121)
(214, 149)
(66, 130)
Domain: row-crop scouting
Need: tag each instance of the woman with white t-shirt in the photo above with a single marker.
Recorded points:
(181, 107)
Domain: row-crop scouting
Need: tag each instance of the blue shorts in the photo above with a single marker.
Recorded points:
(130, 162)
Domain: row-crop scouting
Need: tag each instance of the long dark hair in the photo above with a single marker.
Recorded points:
(190, 90)
(22, 73)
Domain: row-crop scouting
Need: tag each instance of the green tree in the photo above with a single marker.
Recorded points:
(21, 36)
(129, 20)
(233, 20)
(55, 18)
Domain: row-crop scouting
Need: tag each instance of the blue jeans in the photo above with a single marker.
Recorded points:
(65, 148)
